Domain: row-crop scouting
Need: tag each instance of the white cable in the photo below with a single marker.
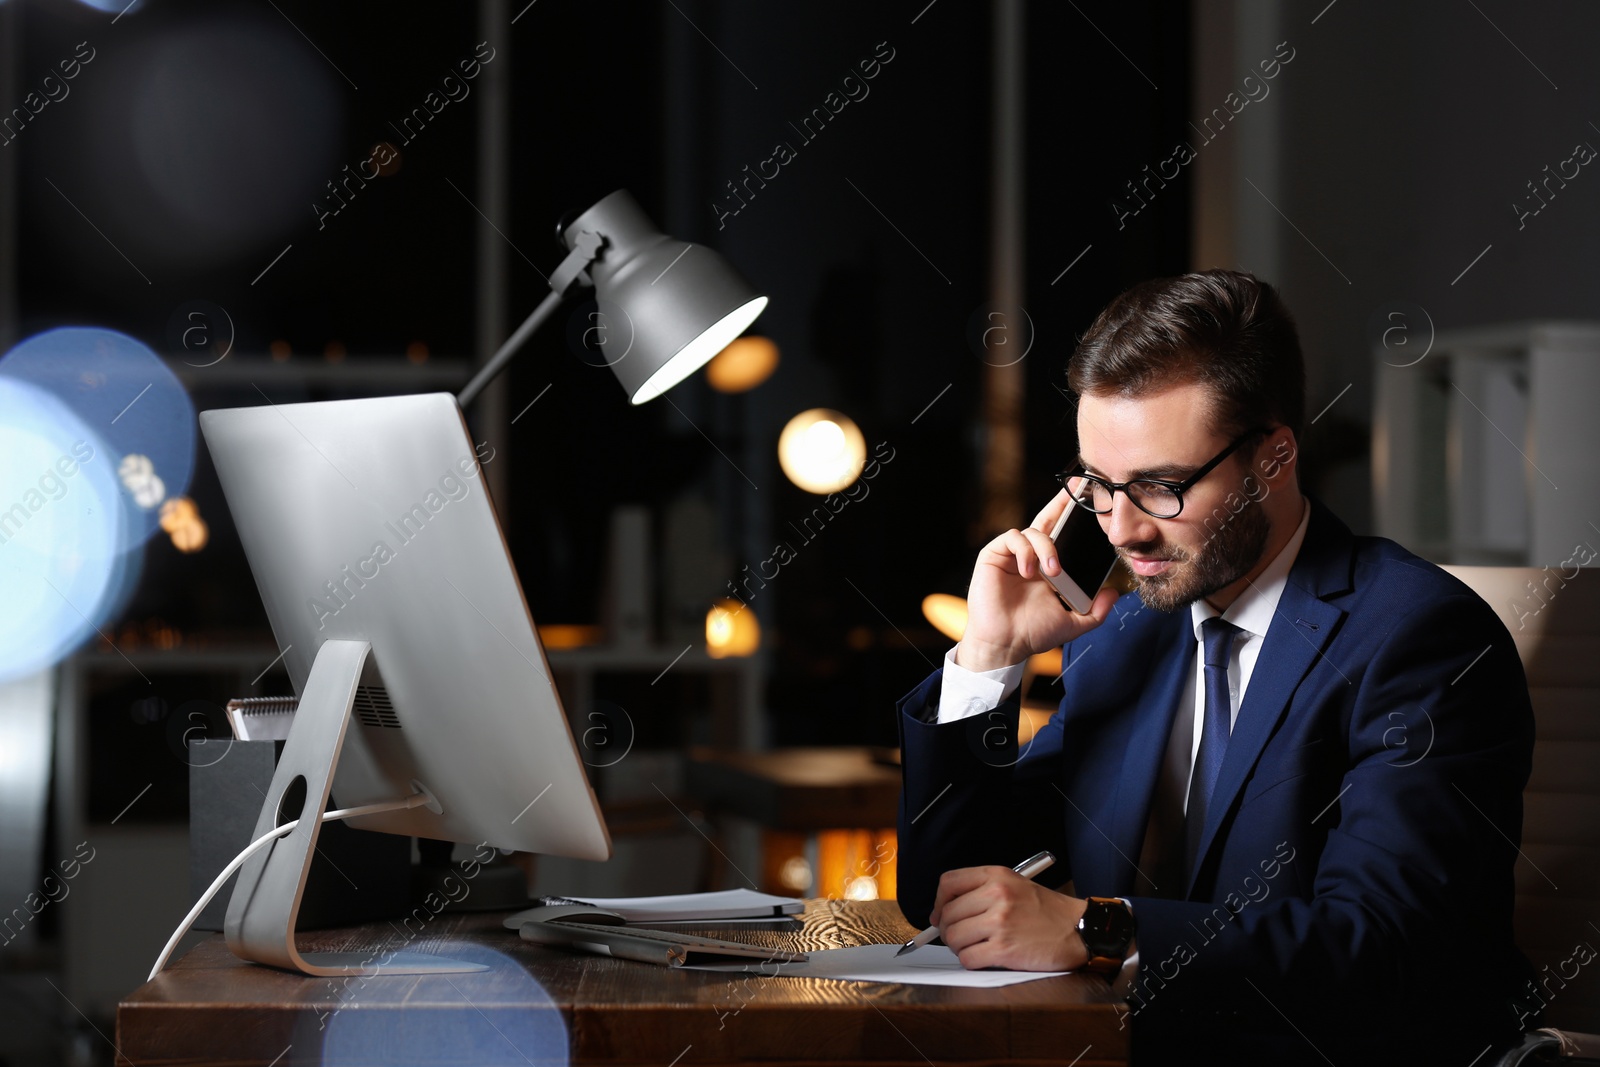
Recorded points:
(412, 801)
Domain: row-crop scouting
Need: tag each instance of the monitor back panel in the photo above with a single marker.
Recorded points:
(370, 520)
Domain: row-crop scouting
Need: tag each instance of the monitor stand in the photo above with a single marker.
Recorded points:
(266, 899)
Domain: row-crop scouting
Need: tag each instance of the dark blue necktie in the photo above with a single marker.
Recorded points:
(1216, 645)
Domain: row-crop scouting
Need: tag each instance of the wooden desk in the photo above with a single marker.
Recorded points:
(212, 1008)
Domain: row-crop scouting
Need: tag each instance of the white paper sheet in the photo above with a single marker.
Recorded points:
(929, 965)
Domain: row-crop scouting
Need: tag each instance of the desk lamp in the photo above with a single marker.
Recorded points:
(670, 304)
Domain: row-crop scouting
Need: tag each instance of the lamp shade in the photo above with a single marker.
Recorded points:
(670, 305)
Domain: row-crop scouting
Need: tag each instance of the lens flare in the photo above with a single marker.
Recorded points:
(62, 526)
(124, 396)
(499, 1016)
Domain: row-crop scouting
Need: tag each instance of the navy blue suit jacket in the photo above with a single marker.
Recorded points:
(1355, 877)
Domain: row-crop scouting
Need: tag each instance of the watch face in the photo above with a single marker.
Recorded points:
(1106, 927)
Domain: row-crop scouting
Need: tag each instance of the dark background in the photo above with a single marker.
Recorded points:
(865, 324)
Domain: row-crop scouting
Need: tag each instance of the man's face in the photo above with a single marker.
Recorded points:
(1167, 436)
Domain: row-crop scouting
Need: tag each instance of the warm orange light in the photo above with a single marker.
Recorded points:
(177, 513)
(822, 451)
(1031, 721)
(743, 365)
(1047, 662)
(856, 864)
(181, 520)
(731, 630)
(193, 537)
(947, 613)
(570, 635)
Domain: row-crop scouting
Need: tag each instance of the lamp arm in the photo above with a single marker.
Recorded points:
(498, 361)
(572, 272)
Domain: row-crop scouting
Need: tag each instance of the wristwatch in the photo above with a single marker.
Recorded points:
(1107, 931)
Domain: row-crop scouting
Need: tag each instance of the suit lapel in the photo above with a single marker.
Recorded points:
(1301, 628)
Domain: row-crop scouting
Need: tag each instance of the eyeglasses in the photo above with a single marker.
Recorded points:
(1157, 498)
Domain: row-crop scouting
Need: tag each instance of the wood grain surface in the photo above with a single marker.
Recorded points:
(538, 1005)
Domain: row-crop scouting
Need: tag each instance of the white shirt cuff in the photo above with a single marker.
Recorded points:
(964, 693)
(1126, 978)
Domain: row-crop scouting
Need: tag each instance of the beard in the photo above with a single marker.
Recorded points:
(1226, 557)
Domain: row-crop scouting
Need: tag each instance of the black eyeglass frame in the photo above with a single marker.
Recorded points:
(1176, 488)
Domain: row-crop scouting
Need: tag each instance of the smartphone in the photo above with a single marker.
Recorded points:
(1087, 557)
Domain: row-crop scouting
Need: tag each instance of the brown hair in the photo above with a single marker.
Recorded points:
(1224, 329)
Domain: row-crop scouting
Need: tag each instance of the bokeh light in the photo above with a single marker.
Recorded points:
(947, 613)
(125, 397)
(198, 143)
(235, 131)
(114, 7)
(821, 451)
(494, 1017)
(95, 433)
(180, 518)
(795, 874)
(61, 530)
(862, 887)
(731, 630)
(743, 365)
(139, 478)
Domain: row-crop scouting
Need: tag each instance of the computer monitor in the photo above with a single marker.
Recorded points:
(387, 582)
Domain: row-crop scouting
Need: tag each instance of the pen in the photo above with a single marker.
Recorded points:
(1027, 868)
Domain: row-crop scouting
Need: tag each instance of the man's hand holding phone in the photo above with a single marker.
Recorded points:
(1012, 610)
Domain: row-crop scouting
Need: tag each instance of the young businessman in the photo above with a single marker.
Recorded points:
(1284, 784)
